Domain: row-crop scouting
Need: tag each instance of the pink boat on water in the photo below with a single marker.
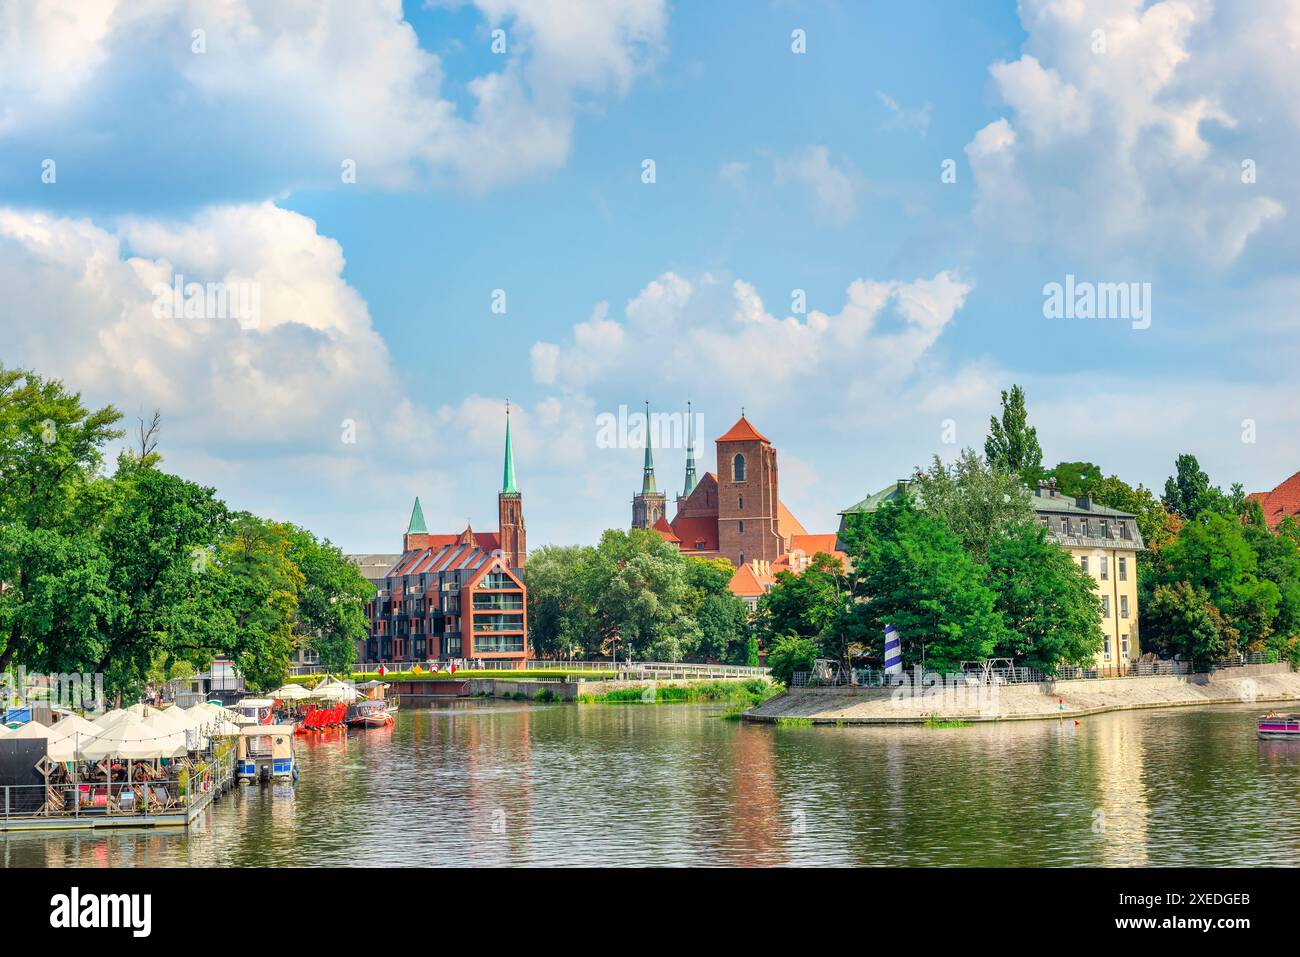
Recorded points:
(1276, 726)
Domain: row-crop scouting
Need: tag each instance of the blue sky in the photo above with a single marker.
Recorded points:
(1104, 140)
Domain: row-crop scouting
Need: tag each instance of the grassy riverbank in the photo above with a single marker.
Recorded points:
(746, 693)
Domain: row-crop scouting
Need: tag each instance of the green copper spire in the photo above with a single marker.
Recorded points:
(648, 473)
(690, 456)
(417, 520)
(508, 473)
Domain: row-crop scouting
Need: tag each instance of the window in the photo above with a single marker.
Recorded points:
(1105, 528)
(1123, 606)
(1105, 568)
(1124, 532)
(742, 526)
(490, 643)
(1065, 526)
(1083, 524)
(1123, 569)
(740, 504)
(738, 468)
(1105, 606)
(1106, 646)
(1124, 646)
(742, 558)
(1083, 563)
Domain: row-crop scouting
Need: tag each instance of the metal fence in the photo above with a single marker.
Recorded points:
(117, 799)
(649, 669)
(875, 678)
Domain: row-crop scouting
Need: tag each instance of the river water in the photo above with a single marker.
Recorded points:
(480, 782)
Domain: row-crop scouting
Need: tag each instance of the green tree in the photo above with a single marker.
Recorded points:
(1076, 479)
(1212, 554)
(1049, 604)
(1012, 444)
(331, 612)
(159, 536)
(724, 626)
(635, 584)
(257, 585)
(50, 450)
(1188, 492)
(804, 604)
(1185, 622)
(791, 653)
(972, 499)
(559, 619)
(911, 571)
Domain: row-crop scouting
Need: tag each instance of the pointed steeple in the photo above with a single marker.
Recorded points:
(648, 471)
(416, 527)
(690, 456)
(508, 472)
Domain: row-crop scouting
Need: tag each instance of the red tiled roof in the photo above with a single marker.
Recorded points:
(1281, 502)
(692, 530)
(748, 583)
(742, 431)
(666, 531)
(810, 545)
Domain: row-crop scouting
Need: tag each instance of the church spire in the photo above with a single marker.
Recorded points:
(690, 456)
(416, 526)
(648, 471)
(508, 472)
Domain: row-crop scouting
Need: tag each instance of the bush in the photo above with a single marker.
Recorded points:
(789, 654)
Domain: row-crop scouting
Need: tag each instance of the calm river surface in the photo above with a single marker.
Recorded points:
(494, 783)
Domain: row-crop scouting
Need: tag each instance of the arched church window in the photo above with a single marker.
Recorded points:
(738, 468)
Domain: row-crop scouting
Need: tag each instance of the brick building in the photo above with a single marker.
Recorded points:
(458, 596)
(734, 513)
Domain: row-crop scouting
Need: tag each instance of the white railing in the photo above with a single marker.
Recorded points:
(652, 669)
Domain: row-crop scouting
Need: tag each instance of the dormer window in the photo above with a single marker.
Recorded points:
(738, 468)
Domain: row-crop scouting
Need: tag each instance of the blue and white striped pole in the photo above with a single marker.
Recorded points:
(893, 652)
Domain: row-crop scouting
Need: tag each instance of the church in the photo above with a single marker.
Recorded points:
(734, 513)
(458, 596)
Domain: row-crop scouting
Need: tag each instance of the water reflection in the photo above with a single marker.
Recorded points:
(489, 783)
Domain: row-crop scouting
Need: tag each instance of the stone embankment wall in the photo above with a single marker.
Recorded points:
(1250, 684)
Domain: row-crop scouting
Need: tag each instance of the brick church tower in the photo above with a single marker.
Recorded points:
(748, 506)
(648, 505)
(510, 510)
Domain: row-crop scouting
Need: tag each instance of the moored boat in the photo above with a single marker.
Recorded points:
(370, 714)
(265, 752)
(259, 709)
(1276, 726)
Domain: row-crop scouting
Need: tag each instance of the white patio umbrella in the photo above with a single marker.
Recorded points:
(75, 722)
(290, 692)
(338, 693)
(108, 717)
(137, 739)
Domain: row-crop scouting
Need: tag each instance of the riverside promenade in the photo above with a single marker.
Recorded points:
(1072, 698)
